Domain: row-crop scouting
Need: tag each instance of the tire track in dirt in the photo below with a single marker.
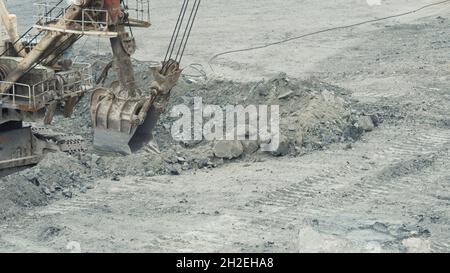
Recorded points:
(338, 190)
(337, 173)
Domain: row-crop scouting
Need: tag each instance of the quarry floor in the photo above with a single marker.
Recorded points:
(388, 192)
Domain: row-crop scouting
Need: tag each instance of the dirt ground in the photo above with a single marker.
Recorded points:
(387, 192)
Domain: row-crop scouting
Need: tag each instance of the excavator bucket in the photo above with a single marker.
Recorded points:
(125, 125)
(109, 141)
(115, 131)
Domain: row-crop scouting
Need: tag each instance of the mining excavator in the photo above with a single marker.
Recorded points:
(38, 80)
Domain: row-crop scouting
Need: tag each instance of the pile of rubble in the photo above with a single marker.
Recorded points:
(313, 115)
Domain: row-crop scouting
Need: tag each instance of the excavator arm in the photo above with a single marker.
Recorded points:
(123, 120)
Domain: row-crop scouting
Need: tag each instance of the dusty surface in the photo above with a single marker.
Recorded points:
(388, 191)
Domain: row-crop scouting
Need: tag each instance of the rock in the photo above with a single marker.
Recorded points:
(167, 126)
(299, 140)
(95, 159)
(35, 181)
(49, 233)
(366, 123)
(353, 133)
(190, 143)
(115, 178)
(250, 146)
(46, 191)
(380, 227)
(170, 159)
(174, 170)
(186, 167)
(202, 162)
(292, 127)
(285, 95)
(376, 119)
(228, 149)
(67, 193)
(262, 90)
(219, 162)
(283, 148)
(83, 189)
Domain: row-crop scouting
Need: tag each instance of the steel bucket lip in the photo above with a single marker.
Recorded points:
(112, 142)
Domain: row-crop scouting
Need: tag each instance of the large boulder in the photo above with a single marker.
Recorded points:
(366, 123)
(228, 149)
